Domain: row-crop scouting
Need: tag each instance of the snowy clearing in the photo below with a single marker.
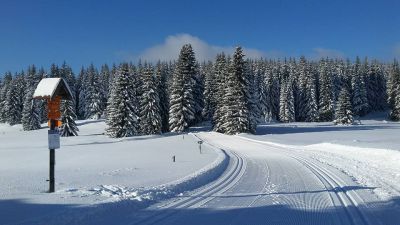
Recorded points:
(369, 153)
(311, 178)
(373, 132)
(93, 169)
(268, 184)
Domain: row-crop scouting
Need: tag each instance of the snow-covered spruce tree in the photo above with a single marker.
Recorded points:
(344, 109)
(136, 81)
(393, 90)
(359, 92)
(209, 90)
(198, 90)
(395, 112)
(300, 79)
(30, 114)
(238, 118)
(14, 100)
(31, 79)
(336, 69)
(67, 74)
(150, 118)
(105, 80)
(273, 90)
(282, 102)
(5, 86)
(161, 82)
(42, 103)
(169, 70)
(376, 91)
(252, 97)
(54, 71)
(326, 95)
(182, 102)
(220, 73)
(94, 95)
(122, 118)
(68, 127)
(113, 73)
(311, 107)
(392, 82)
(81, 89)
(262, 91)
(286, 105)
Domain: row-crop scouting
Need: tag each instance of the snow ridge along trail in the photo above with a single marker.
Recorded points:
(267, 184)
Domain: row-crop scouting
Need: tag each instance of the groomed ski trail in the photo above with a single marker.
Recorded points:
(265, 184)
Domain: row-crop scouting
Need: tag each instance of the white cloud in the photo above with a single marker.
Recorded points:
(169, 50)
(319, 53)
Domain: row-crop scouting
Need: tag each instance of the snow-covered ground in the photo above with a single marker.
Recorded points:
(93, 168)
(267, 183)
(373, 132)
(369, 152)
(298, 173)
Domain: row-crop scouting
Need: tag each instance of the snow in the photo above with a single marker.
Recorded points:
(369, 153)
(370, 167)
(268, 184)
(46, 87)
(92, 169)
(296, 173)
(373, 132)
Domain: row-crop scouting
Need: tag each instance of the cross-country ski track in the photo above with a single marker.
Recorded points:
(266, 184)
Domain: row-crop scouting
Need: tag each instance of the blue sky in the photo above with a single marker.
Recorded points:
(82, 32)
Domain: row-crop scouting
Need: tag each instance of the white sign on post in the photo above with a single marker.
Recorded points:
(54, 139)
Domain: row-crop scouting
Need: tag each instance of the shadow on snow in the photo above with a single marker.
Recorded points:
(130, 211)
(264, 129)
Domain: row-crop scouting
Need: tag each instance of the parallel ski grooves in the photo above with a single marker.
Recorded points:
(349, 200)
(224, 183)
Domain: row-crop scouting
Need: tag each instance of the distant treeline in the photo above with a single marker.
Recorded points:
(233, 93)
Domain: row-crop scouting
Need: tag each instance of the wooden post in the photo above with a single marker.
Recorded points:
(53, 115)
(52, 161)
(200, 142)
(53, 90)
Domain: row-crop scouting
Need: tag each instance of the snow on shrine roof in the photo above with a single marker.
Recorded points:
(51, 87)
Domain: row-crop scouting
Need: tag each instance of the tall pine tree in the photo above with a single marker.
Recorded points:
(150, 118)
(220, 71)
(162, 89)
(344, 110)
(326, 93)
(68, 127)
(236, 96)
(359, 92)
(122, 118)
(5, 86)
(94, 95)
(30, 113)
(182, 102)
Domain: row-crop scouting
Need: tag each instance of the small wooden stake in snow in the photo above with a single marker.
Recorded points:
(53, 90)
(173, 158)
(200, 142)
